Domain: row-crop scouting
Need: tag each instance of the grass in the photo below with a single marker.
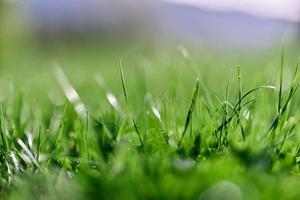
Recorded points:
(165, 128)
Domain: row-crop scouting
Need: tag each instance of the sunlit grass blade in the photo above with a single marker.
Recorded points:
(15, 161)
(111, 98)
(158, 116)
(69, 91)
(28, 152)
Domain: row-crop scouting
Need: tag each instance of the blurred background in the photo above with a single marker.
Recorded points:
(92, 35)
(215, 24)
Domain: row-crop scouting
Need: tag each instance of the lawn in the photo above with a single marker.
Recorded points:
(79, 121)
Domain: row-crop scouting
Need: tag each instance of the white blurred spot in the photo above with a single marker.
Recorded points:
(156, 112)
(223, 190)
(246, 114)
(15, 161)
(184, 51)
(28, 152)
(29, 138)
(113, 102)
(70, 92)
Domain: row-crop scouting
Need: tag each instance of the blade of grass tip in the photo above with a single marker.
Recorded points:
(29, 138)
(281, 79)
(113, 102)
(123, 83)
(126, 101)
(157, 115)
(28, 152)
(69, 91)
(190, 111)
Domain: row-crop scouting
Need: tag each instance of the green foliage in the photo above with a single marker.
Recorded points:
(153, 137)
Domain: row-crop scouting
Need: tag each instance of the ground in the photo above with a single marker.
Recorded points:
(80, 122)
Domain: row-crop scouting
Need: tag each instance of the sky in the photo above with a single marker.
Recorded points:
(284, 9)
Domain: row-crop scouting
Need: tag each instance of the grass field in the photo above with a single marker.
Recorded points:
(148, 124)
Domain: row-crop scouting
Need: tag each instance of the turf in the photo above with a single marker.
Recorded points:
(149, 126)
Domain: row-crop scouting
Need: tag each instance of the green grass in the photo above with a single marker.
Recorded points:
(151, 126)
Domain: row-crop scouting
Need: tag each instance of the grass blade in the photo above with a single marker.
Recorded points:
(281, 79)
(28, 152)
(3, 132)
(70, 92)
(123, 83)
(126, 101)
(111, 98)
(190, 111)
(240, 101)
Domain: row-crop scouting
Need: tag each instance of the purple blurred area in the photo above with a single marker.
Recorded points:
(153, 20)
(71, 17)
(230, 29)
